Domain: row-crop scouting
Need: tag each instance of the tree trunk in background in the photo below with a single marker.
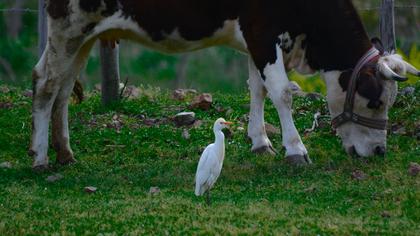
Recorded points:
(109, 53)
(42, 27)
(181, 71)
(387, 25)
(14, 20)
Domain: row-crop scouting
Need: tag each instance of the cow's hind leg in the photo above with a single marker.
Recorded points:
(256, 126)
(60, 128)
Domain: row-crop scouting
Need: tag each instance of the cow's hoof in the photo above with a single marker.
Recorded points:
(41, 168)
(265, 150)
(65, 158)
(298, 160)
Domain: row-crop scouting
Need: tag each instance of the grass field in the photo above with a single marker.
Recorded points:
(124, 158)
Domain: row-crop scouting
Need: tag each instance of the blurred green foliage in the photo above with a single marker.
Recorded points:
(225, 68)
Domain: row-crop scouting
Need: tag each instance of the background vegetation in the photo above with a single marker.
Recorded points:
(225, 67)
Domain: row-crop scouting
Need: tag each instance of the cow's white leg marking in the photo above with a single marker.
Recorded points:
(256, 126)
(276, 84)
(45, 92)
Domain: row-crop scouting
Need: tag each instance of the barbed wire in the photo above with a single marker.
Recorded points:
(29, 10)
(396, 6)
(19, 10)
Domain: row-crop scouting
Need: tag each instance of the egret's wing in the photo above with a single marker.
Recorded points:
(203, 171)
(204, 157)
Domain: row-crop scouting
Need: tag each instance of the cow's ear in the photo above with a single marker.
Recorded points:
(370, 87)
(378, 44)
(345, 79)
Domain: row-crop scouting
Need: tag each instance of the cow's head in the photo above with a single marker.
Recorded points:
(376, 91)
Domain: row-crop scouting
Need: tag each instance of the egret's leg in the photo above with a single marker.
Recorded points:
(208, 198)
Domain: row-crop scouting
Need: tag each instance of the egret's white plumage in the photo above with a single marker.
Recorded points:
(211, 161)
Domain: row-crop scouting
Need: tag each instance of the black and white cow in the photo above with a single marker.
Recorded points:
(278, 35)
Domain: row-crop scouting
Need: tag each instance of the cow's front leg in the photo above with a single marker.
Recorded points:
(256, 126)
(45, 89)
(277, 84)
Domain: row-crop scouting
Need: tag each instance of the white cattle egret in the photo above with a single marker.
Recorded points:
(211, 161)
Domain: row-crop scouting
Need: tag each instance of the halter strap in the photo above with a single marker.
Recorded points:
(348, 115)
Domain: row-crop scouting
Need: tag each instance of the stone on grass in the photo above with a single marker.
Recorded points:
(186, 134)
(203, 102)
(414, 169)
(240, 129)
(314, 96)
(4, 89)
(28, 93)
(358, 175)
(386, 214)
(132, 92)
(6, 105)
(271, 130)
(5, 165)
(154, 191)
(54, 178)
(197, 124)
(184, 119)
(407, 91)
(90, 189)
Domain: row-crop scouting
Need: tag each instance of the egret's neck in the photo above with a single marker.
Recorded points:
(220, 140)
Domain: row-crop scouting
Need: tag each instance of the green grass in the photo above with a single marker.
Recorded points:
(254, 195)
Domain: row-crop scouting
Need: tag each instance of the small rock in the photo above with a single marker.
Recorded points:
(203, 101)
(179, 95)
(386, 214)
(184, 119)
(6, 165)
(407, 91)
(294, 87)
(197, 124)
(271, 130)
(358, 175)
(229, 112)
(150, 122)
(90, 189)
(5, 105)
(28, 93)
(228, 133)
(240, 129)
(314, 96)
(414, 169)
(4, 89)
(311, 189)
(185, 134)
(154, 191)
(98, 87)
(54, 178)
(400, 131)
(132, 92)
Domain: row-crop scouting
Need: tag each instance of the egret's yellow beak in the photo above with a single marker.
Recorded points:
(227, 123)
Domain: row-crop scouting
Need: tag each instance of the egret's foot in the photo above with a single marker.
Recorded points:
(298, 160)
(265, 150)
(65, 158)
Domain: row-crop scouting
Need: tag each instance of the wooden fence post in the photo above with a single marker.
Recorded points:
(42, 27)
(109, 53)
(387, 26)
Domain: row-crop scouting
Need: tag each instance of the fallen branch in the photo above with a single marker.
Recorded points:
(315, 124)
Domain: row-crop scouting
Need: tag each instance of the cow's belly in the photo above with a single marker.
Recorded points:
(117, 27)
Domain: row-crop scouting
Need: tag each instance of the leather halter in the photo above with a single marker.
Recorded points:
(348, 115)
